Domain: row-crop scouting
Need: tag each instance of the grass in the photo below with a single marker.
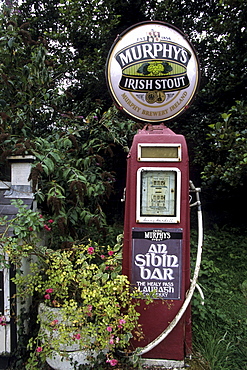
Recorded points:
(220, 326)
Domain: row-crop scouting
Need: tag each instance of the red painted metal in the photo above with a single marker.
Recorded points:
(157, 316)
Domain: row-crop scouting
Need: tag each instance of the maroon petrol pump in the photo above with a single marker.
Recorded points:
(153, 74)
(156, 251)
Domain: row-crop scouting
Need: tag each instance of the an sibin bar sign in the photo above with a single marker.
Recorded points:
(157, 261)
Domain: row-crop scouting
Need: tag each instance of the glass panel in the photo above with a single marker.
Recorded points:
(159, 152)
(158, 193)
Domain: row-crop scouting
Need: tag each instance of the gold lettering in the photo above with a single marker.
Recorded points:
(178, 102)
(130, 103)
(154, 113)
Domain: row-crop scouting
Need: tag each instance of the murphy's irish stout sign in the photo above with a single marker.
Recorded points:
(157, 261)
(152, 71)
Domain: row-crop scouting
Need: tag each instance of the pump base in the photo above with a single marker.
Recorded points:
(166, 364)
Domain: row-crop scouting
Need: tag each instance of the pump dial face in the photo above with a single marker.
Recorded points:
(158, 193)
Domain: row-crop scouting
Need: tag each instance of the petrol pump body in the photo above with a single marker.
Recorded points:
(156, 252)
(153, 74)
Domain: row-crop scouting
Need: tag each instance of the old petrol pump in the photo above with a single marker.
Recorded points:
(153, 75)
(156, 234)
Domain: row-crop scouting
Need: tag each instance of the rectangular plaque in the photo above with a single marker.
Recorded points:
(159, 152)
(157, 261)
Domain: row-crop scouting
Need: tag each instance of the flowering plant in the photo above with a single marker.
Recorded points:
(2, 320)
(84, 296)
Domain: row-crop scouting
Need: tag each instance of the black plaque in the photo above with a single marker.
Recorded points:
(157, 261)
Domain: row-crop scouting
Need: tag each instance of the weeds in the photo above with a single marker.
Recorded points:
(220, 326)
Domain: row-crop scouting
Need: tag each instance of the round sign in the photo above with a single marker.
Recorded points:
(152, 71)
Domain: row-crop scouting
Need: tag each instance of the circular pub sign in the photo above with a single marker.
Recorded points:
(152, 71)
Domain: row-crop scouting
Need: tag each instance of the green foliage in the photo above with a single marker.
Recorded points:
(74, 172)
(26, 82)
(222, 277)
(74, 176)
(87, 301)
(228, 144)
(73, 33)
(53, 58)
(26, 227)
(215, 348)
